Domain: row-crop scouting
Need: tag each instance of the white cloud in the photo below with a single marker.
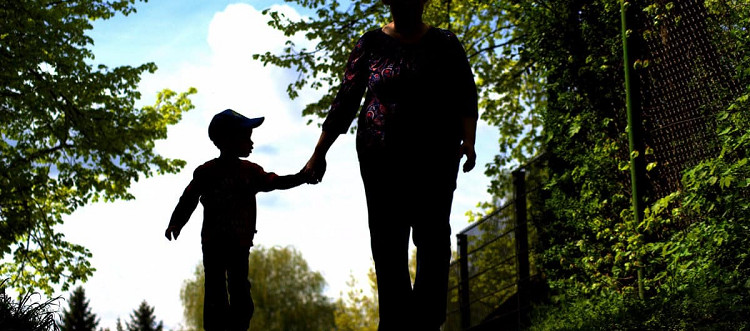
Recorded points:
(325, 222)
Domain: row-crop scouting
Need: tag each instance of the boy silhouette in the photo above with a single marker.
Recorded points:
(226, 186)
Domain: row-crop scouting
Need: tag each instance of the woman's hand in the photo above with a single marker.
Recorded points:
(316, 166)
(315, 169)
(467, 144)
(172, 231)
(471, 156)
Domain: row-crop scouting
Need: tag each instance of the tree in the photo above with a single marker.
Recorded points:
(550, 75)
(358, 311)
(143, 319)
(78, 316)
(509, 82)
(71, 135)
(192, 295)
(287, 294)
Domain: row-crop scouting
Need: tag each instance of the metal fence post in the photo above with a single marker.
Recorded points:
(522, 241)
(463, 286)
(630, 50)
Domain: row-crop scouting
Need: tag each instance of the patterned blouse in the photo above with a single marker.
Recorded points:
(417, 93)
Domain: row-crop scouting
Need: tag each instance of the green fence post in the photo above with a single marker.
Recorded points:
(635, 143)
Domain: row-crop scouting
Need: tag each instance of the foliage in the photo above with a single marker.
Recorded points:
(71, 135)
(25, 315)
(360, 312)
(690, 245)
(510, 91)
(143, 319)
(287, 294)
(357, 311)
(560, 64)
(192, 295)
(78, 316)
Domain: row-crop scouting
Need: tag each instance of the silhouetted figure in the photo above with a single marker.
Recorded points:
(226, 186)
(419, 117)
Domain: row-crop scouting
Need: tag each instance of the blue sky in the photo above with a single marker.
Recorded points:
(208, 45)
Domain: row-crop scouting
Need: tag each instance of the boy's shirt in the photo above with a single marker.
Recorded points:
(227, 190)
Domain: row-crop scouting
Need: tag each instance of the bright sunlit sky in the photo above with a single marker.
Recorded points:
(208, 45)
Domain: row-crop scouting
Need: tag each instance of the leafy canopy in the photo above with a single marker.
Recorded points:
(510, 90)
(71, 134)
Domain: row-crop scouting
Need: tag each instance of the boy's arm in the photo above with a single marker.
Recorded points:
(288, 181)
(181, 215)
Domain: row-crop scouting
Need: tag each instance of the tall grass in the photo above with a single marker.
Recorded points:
(25, 315)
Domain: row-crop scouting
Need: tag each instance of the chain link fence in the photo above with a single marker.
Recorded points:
(686, 77)
(685, 69)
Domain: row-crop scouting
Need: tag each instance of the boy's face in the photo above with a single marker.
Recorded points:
(245, 143)
(240, 145)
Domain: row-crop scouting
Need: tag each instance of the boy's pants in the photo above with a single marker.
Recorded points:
(226, 269)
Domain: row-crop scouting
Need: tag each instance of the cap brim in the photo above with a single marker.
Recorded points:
(252, 123)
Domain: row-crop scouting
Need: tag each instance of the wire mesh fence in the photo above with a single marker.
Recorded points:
(686, 72)
(686, 78)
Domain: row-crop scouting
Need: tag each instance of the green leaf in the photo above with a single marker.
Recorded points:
(712, 180)
(75, 136)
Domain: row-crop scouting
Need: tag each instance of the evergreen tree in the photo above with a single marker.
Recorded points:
(143, 319)
(78, 316)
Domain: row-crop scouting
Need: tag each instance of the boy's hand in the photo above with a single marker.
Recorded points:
(314, 169)
(172, 231)
(306, 177)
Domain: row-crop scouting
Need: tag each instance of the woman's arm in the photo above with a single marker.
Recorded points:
(467, 143)
(343, 109)
(316, 166)
(466, 101)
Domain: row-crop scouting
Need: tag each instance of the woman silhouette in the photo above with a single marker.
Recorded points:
(418, 120)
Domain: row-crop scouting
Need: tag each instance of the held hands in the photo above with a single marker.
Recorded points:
(314, 169)
(471, 156)
(172, 231)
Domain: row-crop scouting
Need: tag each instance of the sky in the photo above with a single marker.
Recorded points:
(208, 45)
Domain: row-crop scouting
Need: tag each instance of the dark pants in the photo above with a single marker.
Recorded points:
(226, 273)
(404, 197)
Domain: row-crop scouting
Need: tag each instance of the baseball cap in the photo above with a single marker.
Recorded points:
(231, 122)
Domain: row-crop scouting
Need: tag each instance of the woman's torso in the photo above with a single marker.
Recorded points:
(409, 104)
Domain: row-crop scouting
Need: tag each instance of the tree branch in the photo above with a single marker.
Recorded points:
(25, 255)
(348, 25)
(8, 93)
(489, 48)
(47, 151)
(490, 34)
